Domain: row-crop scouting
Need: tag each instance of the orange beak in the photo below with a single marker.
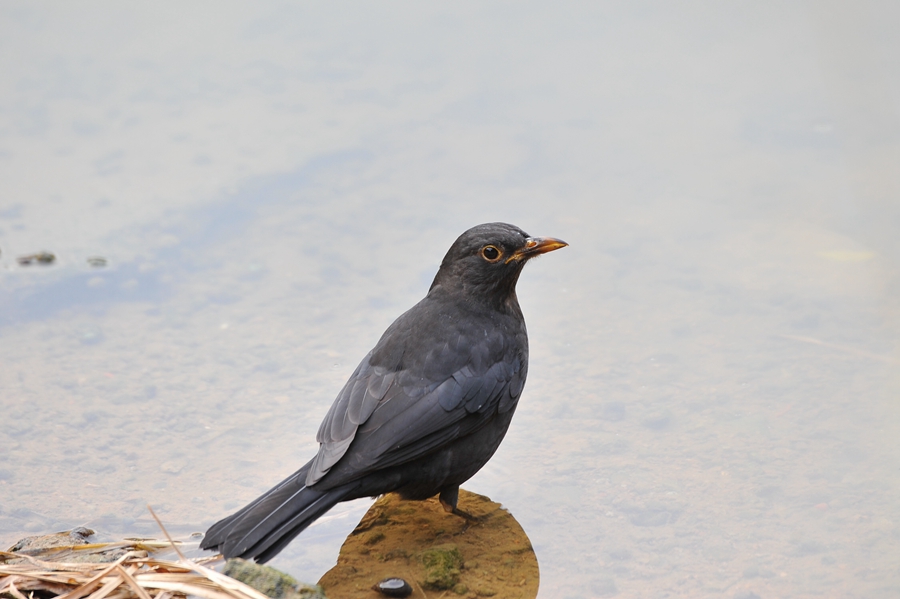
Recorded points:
(535, 246)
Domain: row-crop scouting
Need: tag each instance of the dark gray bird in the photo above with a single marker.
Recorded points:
(424, 410)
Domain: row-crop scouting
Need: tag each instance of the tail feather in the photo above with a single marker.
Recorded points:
(216, 535)
(274, 543)
(265, 526)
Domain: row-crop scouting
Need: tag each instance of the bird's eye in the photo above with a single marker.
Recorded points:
(490, 253)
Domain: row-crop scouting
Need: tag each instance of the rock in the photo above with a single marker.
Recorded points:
(438, 554)
(37, 544)
(269, 581)
(38, 258)
(442, 566)
(71, 546)
(393, 587)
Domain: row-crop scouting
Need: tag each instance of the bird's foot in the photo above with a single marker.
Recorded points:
(469, 518)
(452, 509)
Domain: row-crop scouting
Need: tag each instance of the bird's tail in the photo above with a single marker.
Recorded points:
(265, 526)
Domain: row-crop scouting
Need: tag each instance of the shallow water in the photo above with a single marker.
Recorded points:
(712, 399)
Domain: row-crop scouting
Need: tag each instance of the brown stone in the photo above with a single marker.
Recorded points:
(394, 537)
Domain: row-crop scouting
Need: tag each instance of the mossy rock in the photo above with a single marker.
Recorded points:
(491, 557)
(442, 565)
(269, 581)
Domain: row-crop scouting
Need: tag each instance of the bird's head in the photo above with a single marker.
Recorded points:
(485, 261)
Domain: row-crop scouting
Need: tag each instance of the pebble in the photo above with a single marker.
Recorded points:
(393, 587)
(38, 258)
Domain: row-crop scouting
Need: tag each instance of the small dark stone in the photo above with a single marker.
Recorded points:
(39, 258)
(393, 587)
(97, 261)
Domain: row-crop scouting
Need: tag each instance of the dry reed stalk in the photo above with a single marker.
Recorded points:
(134, 575)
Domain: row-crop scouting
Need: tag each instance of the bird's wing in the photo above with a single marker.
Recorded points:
(404, 428)
(360, 396)
(398, 415)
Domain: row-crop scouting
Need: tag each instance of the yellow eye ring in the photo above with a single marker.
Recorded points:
(491, 253)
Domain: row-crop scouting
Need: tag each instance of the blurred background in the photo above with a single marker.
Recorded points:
(240, 197)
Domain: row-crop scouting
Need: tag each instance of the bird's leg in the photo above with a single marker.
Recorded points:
(449, 498)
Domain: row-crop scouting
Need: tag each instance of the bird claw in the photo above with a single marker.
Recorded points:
(469, 518)
(452, 509)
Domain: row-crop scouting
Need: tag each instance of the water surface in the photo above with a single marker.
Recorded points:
(712, 399)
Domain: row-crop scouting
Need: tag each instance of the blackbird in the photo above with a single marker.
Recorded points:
(424, 410)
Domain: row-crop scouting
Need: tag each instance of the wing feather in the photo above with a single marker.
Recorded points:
(398, 405)
(353, 406)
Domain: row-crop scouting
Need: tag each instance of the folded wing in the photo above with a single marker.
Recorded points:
(387, 416)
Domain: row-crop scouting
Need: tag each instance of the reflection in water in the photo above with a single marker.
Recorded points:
(711, 406)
